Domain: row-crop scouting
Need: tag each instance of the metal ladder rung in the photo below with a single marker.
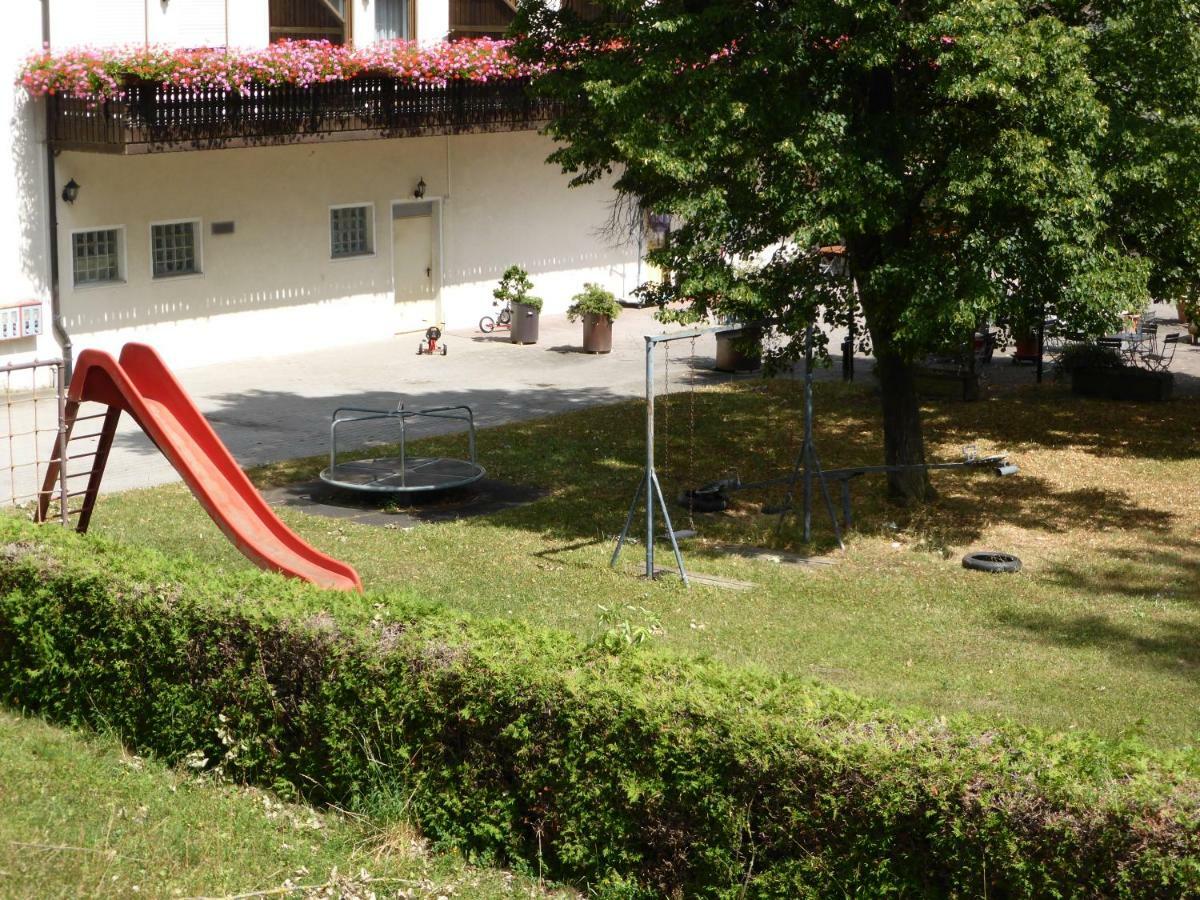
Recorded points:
(84, 437)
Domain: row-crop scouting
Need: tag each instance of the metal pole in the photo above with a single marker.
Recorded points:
(637, 495)
(403, 454)
(1041, 341)
(670, 528)
(62, 442)
(850, 350)
(650, 476)
(333, 444)
(837, 530)
(808, 436)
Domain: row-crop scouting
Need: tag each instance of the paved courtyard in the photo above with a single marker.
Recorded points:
(274, 409)
(279, 408)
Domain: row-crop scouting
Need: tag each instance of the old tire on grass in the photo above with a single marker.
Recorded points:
(991, 561)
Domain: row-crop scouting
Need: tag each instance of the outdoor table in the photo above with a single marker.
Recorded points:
(1131, 343)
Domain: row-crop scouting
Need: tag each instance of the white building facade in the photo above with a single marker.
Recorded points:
(226, 249)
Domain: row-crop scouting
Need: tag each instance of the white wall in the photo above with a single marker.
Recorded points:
(187, 23)
(178, 23)
(24, 267)
(271, 288)
(507, 206)
(76, 23)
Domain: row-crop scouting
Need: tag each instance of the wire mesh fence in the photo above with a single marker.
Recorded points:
(32, 422)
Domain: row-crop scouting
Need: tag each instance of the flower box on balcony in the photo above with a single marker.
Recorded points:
(139, 101)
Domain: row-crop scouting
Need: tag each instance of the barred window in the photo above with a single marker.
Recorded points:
(350, 230)
(96, 256)
(173, 249)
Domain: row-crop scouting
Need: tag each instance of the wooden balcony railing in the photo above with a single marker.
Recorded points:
(153, 118)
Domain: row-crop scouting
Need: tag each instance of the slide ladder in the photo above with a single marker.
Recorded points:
(141, 385)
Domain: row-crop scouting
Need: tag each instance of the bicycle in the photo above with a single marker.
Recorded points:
(503, 319)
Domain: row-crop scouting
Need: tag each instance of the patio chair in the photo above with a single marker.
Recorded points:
(1134, 346)
(1160, 361)
(1146, 343)
(1057, 341)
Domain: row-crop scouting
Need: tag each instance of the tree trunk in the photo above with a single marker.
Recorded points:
(903, 443)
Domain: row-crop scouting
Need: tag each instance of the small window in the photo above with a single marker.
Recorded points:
(174, 250)
(350, 231)
(96, 256)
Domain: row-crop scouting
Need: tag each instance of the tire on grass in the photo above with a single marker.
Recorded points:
(991, 561)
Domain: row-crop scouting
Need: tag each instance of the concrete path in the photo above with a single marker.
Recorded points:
(273, 409)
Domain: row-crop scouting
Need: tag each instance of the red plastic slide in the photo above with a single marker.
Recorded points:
(141, 385)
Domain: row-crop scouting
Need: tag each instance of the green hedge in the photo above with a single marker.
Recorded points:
(631, 774)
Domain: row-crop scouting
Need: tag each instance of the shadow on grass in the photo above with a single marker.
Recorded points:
(1050, 417)
(1171, 568)
(1173, 646)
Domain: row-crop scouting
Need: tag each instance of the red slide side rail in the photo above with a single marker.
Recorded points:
(141, 385)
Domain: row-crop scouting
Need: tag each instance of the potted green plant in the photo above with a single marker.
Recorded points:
(1189, 314)
(513, 289)
(597, 307)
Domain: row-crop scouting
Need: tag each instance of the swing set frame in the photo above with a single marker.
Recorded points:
(806, 468)
(807, 464)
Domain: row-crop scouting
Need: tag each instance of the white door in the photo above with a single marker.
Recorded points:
(414, 266)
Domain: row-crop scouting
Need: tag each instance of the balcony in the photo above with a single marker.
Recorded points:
(158, 118)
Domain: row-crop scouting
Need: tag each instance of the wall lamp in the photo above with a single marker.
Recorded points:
(70, 191)
(419, 192)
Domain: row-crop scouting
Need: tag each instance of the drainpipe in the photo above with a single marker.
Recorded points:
(56, 316)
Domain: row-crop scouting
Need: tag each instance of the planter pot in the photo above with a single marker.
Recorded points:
(1122, 384)
(524, 324)
(597, 333)
(732, 359)
(1027, 348)
(1194, 331)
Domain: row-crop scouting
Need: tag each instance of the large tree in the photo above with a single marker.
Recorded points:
(977, 159)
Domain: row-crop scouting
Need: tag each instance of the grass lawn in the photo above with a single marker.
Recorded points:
(1100, 631)
(84, 818)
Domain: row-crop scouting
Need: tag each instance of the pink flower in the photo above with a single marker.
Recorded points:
(99, 74)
